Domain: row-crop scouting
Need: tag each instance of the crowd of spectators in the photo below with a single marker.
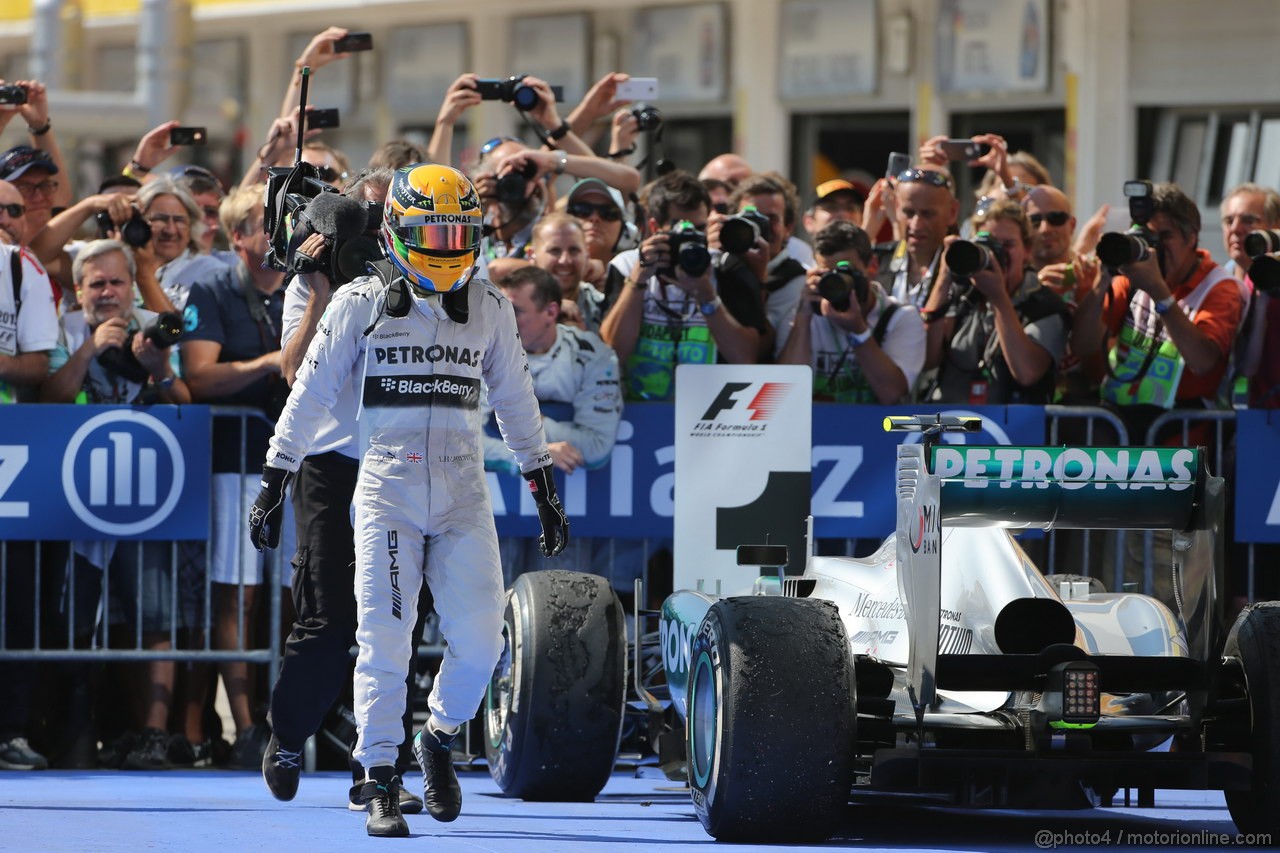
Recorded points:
(614, 283)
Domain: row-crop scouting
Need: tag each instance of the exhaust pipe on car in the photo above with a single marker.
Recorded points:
(1026, 626)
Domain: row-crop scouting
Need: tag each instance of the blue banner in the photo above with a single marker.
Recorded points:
(853, 469)
(1257, 475)
(104, 472)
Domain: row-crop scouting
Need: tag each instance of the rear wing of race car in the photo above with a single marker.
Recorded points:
(1142, 488)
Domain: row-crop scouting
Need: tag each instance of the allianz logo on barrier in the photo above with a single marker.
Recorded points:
(129, 466)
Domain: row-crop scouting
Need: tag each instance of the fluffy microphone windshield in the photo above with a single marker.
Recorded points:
(337, 216)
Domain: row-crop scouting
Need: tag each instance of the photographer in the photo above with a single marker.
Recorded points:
(995, 334)
(110, 352)
(863, 346)
(109, 208)
(104, 273)
(175, 224)
(514, 183)
(667, 315)
(231, 356)
(41, 191)
(1166, 324)
(768, 202)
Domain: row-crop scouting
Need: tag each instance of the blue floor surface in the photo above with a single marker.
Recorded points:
(225, 812)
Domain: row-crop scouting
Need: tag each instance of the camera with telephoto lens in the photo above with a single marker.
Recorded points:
(842, 284)
(134, 232)
(512, 187)
(983, 252)
(1264, 272)
(1118, 248)
(688, 248)
(1265, 241)
(738, 233)
(647, 117)
(13, 94)
(164, 331)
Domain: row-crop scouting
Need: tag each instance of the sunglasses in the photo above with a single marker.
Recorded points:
(494, 143)
(925, 176)
(14, 210)
(584, 209)
(1056, 218)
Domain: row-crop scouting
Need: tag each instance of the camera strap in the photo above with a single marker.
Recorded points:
(256, 302)
(15, 275)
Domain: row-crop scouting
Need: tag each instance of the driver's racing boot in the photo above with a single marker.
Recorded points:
(381, 796)
(440, 790)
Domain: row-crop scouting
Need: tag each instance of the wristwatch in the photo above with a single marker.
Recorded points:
(857, 339)
(1164, 306)
(560, 132)
(709, 308)
(562, 162)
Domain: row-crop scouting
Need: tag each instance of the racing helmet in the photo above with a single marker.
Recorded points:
(431, 226)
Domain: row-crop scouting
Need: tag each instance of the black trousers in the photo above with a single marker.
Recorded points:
(317, 662)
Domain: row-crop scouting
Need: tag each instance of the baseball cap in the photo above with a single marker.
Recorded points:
(15, 162)
(595, 186)
(839, 185)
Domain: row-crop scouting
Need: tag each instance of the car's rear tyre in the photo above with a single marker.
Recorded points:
(553, 711)
(1255, 642)
(772, 719)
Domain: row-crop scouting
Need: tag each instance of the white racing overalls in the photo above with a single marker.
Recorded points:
(422, 506)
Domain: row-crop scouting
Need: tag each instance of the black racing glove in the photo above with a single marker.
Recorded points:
(555, 527)
(267, 512)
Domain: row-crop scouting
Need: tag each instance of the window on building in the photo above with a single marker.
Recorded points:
(1206, 151)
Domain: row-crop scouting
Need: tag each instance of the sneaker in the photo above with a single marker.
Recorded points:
(381, 796)
(280, 770)
(440, 789)
(150, 753)
(250, 746)
(116, 750)
(410, 803)
(17, 754)
(181, 751)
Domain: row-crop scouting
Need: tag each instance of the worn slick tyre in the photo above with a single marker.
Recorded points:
(1255, 642)
(772, 719)
(553, 711)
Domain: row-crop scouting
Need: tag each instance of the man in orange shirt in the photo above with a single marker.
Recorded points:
(1168, 327)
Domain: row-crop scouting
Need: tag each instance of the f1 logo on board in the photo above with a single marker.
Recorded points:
(743, 408)
(122, 473)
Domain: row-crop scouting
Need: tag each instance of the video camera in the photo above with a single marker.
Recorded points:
(688, 247)
(164, 331)
(842, 284)
(514, 90)
(1117, 248)
(298, 204)
(738, 232)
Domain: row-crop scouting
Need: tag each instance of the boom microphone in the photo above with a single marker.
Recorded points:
(337, 217)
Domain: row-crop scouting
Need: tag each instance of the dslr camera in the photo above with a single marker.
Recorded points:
(514, 90)
(135, 232)
(164, 331)
(513, 187)
(647, 117)
(688, 247)
(1264, 241)
(738, 232)
(966, 257)
(843, 284)
(1117, 248)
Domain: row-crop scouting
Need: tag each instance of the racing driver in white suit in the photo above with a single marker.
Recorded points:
(417, 348)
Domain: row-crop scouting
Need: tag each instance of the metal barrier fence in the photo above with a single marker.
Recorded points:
(189, 591)
(1085, 552)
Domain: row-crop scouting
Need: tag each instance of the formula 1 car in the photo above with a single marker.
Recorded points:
(945, 664)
